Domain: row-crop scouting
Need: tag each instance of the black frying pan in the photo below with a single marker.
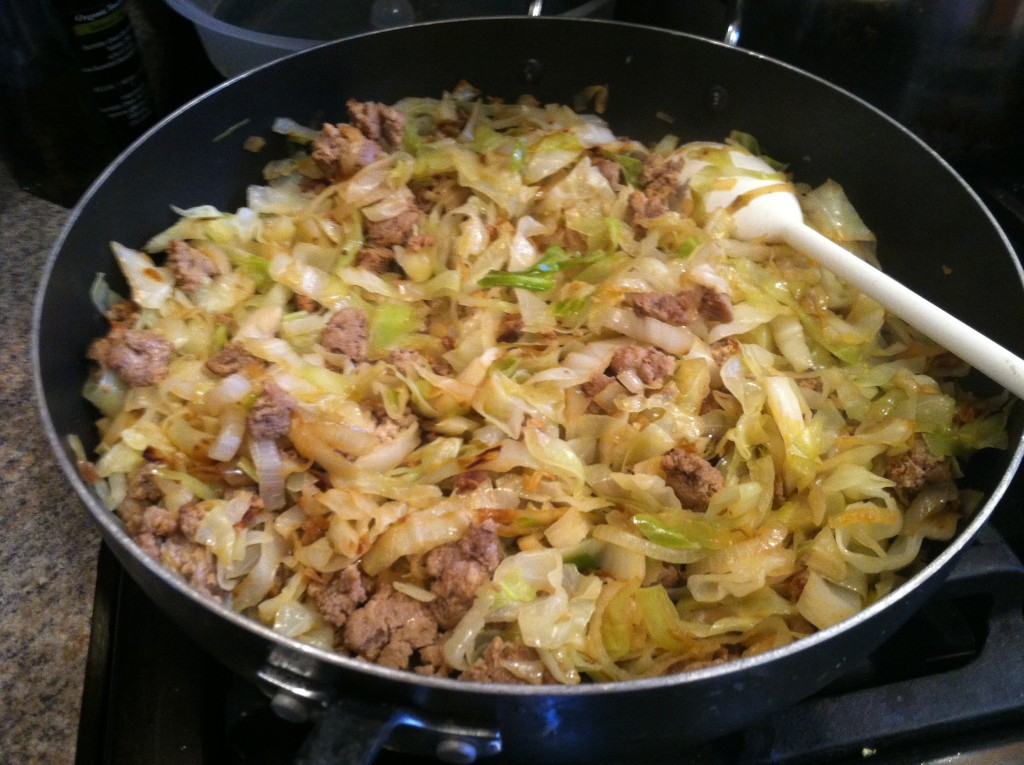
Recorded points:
(925, 218)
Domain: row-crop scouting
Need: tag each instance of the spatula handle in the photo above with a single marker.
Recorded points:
(978, 350)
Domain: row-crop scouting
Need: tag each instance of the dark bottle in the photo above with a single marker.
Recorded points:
(108, 55)
(54, 138)
(72, 92)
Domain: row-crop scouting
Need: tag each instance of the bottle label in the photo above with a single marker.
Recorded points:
(111, 62)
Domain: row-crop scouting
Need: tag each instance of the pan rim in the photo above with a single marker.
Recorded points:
(113, 529)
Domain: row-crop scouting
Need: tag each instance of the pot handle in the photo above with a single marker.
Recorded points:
(353, 731)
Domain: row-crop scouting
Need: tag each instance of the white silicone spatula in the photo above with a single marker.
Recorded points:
(767, 210)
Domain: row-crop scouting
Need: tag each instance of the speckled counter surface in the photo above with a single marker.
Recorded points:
(48, 545)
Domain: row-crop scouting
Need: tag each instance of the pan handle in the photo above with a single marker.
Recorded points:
(349, 733)
(353, 731)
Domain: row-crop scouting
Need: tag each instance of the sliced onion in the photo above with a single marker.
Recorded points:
(631, 380)
(413, 534)
(270, 470)
(459, 648)
(674, 340)
(823, 603)
(346, 438)
(257, 583)
(390, 455)
(623, 538)
(230, 390)
(413, 591)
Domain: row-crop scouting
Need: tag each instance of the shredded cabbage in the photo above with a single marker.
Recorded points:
(509, 375)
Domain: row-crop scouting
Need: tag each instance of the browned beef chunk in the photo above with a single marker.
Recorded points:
(347, 332)
(610, 169)
(271, 415)
(914, 469)
(466, 482)
(378, 122)
(189, 518)
(191, 267)
(643, 208)
(650, 364)
(677, 309)
(122, 314)
(419, 242)
(406, 359)
(660, 178)
(715, 306)
(141, 486)
(398, 229)
(724, 349)
(669, 575)
(376, 259)
(340, 150)
(305, 303)
(511, 328)
(458, 569)
(432, 661)
(693, 479)
(444, 191)
(194, 562)
(492, 667)
(159, 521)
(389, 628)
(596, 384)
(162, 536)
(343, 593)
(231, 359)
(138, 356)
(793, 585)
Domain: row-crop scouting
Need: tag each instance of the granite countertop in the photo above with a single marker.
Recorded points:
(48, 546)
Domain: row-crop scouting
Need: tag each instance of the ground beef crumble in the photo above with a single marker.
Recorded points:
(379, 260)
(649, 364)
(596, 384)
(271, 415)
(389, 629)
(347, 332)
(396, 230)
(917, 467)
(678, 309)
(493, 665)
(342, 594)
(378, 122)
(693, 479)
(458, 569)
(340, 150)
(139, 357)
(231, 359)
(191, 267)
(167, 536)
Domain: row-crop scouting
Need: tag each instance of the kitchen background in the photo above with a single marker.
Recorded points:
(951, 71)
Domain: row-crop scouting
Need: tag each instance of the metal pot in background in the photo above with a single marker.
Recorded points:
(241, 34)
(911, 198)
